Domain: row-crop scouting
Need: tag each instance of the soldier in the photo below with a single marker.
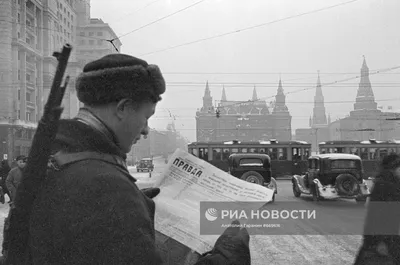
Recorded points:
(90, 211)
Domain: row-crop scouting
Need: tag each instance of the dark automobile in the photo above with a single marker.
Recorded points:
(255, 168)
(146, 164)
(332, 176)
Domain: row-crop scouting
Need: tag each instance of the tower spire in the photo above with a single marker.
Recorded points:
(365, 96)
(319, 115)
(255, 97)
(280, 100)
(207, 100)
(223, 97)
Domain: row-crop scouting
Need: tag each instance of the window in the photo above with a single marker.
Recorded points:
(250, 162)
(28, 97)
(19, 18)
(99, 42)
(226, 153)
(217, 155)
(99, 33)
(81, 33)
(344, 164)
(28, 116)
(91, 42)
(91, 33)
(203, 153)
(19, 74)
(19, 94)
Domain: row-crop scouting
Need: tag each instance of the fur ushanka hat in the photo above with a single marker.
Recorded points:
(118, 76)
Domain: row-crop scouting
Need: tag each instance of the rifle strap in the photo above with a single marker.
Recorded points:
(62, 159)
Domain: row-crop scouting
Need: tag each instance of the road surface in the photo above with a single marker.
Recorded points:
(287, 249)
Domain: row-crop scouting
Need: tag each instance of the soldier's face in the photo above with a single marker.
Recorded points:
(134, 123)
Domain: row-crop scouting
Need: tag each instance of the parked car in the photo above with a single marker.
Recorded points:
(145, 164)
(254, 168)
(332, 176)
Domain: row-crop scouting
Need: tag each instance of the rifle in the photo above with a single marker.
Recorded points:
(35, 170)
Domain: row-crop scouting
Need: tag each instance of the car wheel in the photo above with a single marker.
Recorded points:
(296, 190)
(346, 184)
(253, 177)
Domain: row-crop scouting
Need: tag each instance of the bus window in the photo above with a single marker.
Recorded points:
(295, 154)
(253, 150)
(340, 150)
(262, 150)
(226, 154)
(373, 154)
(392, 150)
(364, 153)
(323, 150)
(244, 150)
(306, 153)
(274, 153)
(217, 155)
(235, 150)
(194, 152)
(383, 152)
(203, 153)
(354, 151)
(282, 154)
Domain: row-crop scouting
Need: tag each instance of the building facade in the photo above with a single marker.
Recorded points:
(251, 120)
(30, 31)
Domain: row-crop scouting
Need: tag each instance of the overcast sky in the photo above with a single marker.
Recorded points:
(294, 47)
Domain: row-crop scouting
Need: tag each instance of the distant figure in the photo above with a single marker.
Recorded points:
(4, 170)
(15, 176)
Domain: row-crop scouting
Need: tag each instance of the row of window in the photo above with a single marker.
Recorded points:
(91, 42)
(364, 153)
(91, 33)
(219, 154)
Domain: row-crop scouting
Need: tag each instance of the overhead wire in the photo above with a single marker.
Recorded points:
(136, 11)
(249, 28)
(158, 20)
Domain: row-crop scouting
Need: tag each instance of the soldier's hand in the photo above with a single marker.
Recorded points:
(151, 192)
(232, 247)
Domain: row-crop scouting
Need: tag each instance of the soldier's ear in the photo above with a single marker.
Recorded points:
(123, 107)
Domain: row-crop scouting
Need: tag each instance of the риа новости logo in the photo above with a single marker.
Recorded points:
(211, 214)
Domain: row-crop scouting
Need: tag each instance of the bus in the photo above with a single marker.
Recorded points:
(371, 152)
(287, 158)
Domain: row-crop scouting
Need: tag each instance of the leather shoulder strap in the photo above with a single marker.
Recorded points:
(62, 159)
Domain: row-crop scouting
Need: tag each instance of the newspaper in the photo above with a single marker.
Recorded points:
(186, 182)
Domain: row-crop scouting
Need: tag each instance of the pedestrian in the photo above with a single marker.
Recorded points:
(15, 176)
(13, 180)
(91, 211)
(381, 241)
(4, 170)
